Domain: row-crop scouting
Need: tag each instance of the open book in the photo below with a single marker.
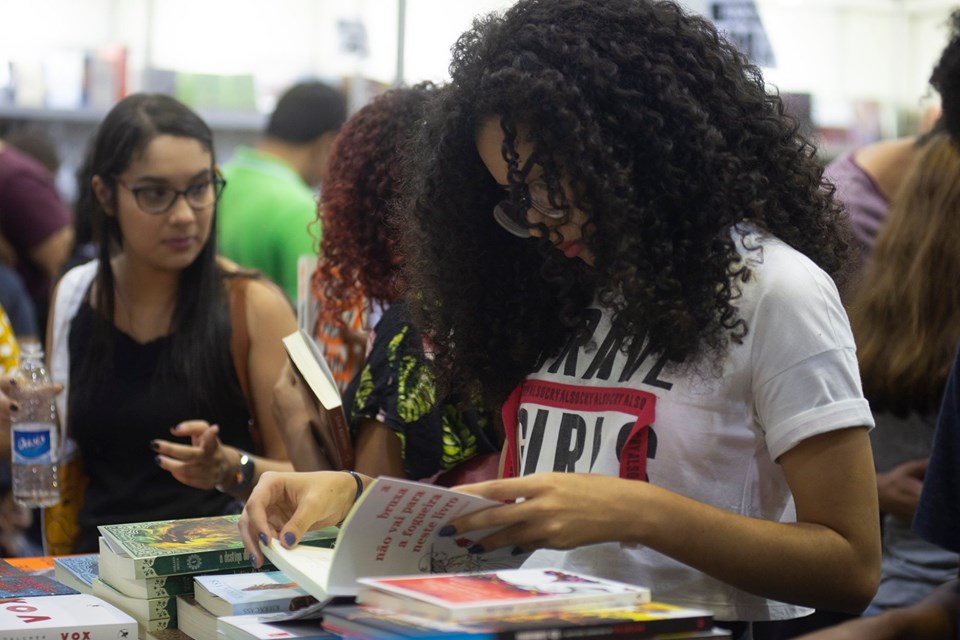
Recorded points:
(392, 530)
(333, 434)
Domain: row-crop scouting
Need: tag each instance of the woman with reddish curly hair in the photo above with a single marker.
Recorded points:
(399, 426)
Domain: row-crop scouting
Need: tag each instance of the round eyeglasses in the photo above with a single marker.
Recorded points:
(512, 216)
(158, 199)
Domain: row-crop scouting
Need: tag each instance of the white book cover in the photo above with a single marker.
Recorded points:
(250, 593)
(49, 616)
(254, 627)
(496, 594)
(392, 530)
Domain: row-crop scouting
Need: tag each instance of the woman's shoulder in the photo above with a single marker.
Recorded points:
(776, 267)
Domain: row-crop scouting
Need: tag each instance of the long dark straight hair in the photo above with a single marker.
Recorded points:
(200, 330)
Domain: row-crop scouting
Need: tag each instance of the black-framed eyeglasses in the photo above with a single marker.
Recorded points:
(158, 199)
(512, 215)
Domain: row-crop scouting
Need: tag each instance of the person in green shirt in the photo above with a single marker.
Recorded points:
(268, 206)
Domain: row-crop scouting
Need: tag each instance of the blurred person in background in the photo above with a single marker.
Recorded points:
(266, 212)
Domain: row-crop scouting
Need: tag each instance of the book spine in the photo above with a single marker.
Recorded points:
(199, 562)
(624, 629)
(109, 631)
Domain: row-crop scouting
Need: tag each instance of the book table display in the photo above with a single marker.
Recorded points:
(192, 578)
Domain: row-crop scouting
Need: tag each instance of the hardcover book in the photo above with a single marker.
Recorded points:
(30, 585)
(486, 595)
(249, 593)
(647, 620)
(308, 362)
(77, 572)
(79, 615)
(391, 530)
(171, 547)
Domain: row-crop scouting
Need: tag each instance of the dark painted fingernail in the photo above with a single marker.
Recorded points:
(263, 539)
(253, 560)
(446, 531)
(14, 406)
(477, 548)
(290, 539)
(13, 382)
(156, 459)
(154, 445)
(517, 551)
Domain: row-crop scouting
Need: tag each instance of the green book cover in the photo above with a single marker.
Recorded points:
(189, 545)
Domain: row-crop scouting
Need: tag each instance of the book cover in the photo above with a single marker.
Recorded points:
(308, 362)
(170, 547)
(37, 565)
(142, 610)
(82, 614)
(392, 530)
(7, 569)
(144, 588)
(78, 571)
(647, 620)
(30, 585)
(249, 593)
(253, 627)
(494, 594)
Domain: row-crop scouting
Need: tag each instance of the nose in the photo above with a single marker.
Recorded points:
(181, 212)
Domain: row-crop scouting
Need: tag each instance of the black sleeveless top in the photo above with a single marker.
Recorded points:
(114, 420)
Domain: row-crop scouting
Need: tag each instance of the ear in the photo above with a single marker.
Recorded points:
(103, 194)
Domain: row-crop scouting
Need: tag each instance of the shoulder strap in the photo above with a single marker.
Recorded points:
(70, 292)
(240, 350)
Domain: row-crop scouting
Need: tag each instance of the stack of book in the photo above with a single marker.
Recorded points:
(243, 595)
(144, 566)
(511, 604)
(38, 606)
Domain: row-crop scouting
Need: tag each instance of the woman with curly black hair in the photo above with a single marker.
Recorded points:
(678, 378)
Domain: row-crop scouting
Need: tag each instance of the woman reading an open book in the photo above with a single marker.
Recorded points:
(615, 233)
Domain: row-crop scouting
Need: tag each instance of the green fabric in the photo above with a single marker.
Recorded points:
(264, 214)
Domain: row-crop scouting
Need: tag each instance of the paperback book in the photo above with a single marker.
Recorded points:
(254, 627)
(647, 620)
(144, 610)
(30, 585)
(170, 547)
(78, 615)
(310, 365)
(77, 572)
(194, 620)
(391, 530)
(494, 594)
(250, 593)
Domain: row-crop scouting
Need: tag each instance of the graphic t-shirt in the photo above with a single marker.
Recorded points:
(602, 408)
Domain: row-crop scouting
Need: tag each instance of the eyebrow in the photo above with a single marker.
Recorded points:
(163, 180)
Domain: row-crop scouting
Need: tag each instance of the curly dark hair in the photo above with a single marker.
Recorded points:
(667, 138)
(946, 79)
(360, 256)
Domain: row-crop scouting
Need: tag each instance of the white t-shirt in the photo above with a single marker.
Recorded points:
(711, 438)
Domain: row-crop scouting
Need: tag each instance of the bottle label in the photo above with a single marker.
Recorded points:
(33, 443)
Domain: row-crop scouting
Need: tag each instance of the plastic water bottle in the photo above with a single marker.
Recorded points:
(35, 435)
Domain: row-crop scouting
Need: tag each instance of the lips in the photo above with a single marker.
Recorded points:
(180, 243)
(570, 248)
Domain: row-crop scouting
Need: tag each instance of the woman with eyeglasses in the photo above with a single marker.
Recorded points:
(169, 410)
(615, 233)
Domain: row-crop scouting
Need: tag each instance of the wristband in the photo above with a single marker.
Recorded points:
(359, 480)
(244, 475)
